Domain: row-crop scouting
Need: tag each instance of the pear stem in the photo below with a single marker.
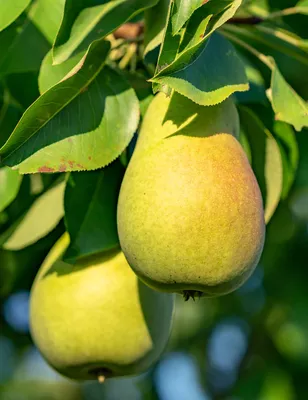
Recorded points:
(101, 378)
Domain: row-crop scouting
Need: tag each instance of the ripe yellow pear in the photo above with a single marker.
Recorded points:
(96, 319)
(190, 213)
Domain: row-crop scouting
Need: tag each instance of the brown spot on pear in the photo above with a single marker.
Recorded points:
(190, 212)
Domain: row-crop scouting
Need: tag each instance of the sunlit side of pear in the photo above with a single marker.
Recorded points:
(190, 213)
(95, 319)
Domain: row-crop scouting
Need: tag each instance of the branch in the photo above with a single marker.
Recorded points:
(245, 20)
(132, 31)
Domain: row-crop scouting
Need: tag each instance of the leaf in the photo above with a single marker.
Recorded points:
(42, 218)
(15, 42)
(88, 20)
(10, 10)
(265, 159)
(51, 74)
(9, 185)
(90, 211)
(302, 7)
(245, 144)
(113, 105)
(284, 38)
(206, 20)
(256, 92)
(180, 51)
(142, 88)
(183, 9)
(287, 104)
(55, 108)
(291, 59)
(290, 154)
(9, 115)
(211, 78)
(47, 22)
(155, 21)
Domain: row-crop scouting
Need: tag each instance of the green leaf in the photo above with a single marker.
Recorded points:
(302, 7)
(90, 211)
(256, 92)
(283, 38)
(265, 159)
(10, 10)
(47, 15)
(15, 42)
(290, 58)
(9, 186)
(245, 144)
(203, 22)
(155, 21)
(183, 51)
(211, 78)
(10, 113)
(51, 74)
(95, 122)
(112, 105)
(42, 218)
(287, 104)
(88, 20)
(290, 154)
(183, 9)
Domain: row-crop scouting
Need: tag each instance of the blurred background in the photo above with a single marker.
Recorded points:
(252, 344)
(249, 345)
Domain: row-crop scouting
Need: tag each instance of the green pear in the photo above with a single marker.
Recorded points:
(96, 319)
(190, 212)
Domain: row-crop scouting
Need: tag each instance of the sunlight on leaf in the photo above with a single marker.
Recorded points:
(51, 74)
(211, 78)
(82, 23)
(39, 125)
(155, 20)
(9, 185)
(182, 12)
(287, 104)
(47, 22)
(266, 160)
(289, 152)
(43, 217)
(10, 10)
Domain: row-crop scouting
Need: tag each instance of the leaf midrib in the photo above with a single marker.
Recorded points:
(53, 115)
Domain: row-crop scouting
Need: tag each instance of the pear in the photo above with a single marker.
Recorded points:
(95, 319)
(190, 212)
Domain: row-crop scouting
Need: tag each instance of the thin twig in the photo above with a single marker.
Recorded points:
(254, 20)
(282, 13)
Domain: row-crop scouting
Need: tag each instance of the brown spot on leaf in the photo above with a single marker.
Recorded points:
(71, 163)
(45, 169)
(70, 140)
(80, 166)
(90, 158)
(205, 1)
(62, 168)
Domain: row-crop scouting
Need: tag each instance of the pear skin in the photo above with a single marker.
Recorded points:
(190, 212)
(96, 319)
